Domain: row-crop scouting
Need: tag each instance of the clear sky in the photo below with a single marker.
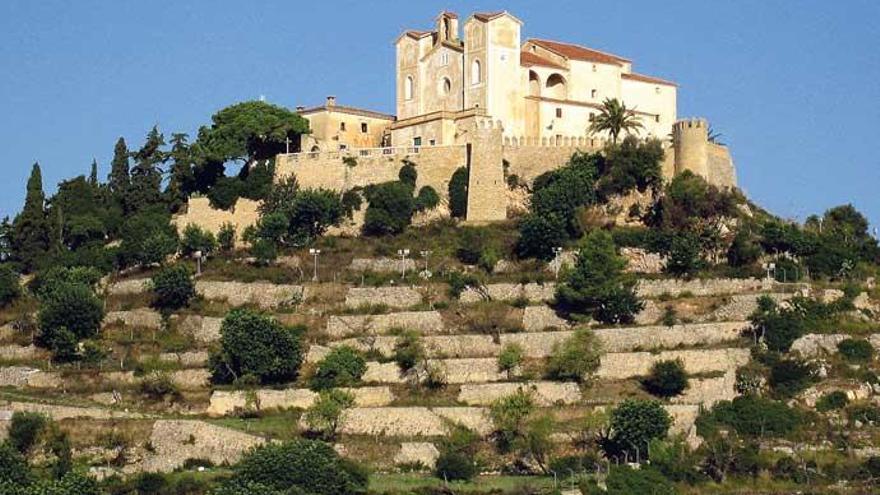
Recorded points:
(793, 86)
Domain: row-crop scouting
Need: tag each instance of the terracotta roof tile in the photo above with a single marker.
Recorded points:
(417, 34)
(577, 52)
(648, 79)
(451, 15)
(528, 59)
(488, 16)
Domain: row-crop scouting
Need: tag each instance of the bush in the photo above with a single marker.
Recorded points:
(779, 327)
(667, 379)
(632, 164)
(264, 251)
(173, 288)
(634, 423)
(788, 377)
(427, 199)
(407, 174)
(458, 193)
(453, 465)
(73, 308)
(832, 401)
(562, 191)
(157, 386)
(743, 251)
(509, 416)
(351, 202)
(307, 466)
(324, 415)
(624, 480)
(10, 287)
(342, 367)
(24, 429)
(196, 239)
(257, 345)
(147, 237)
(226, 237)
(576, 357)
(47, 281)
(684, 258)
(597, 286)
(390, 208)
(150, 483)
(311, 213)
(510, 358)
(856, 351)
(752, 416)
(409, 351)
(539, 234)
(14, 469)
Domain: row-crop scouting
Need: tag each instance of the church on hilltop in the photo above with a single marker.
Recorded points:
(474, 95)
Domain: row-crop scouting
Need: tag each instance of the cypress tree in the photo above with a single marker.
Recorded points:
(119, 179)
(31, 228)
(146, 177)
(93, 174)
(181, 180)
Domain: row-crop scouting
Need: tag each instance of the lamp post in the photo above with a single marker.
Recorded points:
(315, 252)
(426, 274)
(198, 256)
(557, 261)
(403, 253)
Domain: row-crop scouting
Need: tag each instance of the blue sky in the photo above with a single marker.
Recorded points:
(793, 86)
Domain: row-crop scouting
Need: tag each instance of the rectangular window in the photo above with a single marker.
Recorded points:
(417, 141)
(432, 142)
(558, 113)
(593, 93)
(342, 126)
(364, 127)
(656, 118)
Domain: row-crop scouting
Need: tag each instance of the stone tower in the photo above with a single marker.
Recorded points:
(487, 191)
(691, 141)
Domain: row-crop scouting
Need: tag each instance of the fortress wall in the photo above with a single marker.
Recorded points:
(200, 212)
(529, 157)
(722, 172)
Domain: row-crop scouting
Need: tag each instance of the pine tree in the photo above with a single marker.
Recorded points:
(119, 180)
(181, 179)
(31, 231)
(146, 176)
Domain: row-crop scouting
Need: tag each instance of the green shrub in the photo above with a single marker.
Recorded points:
(307, 466)
(226, 237)
(779, 327)
(324, 416)
(631, 164)
(264, 251)
(341, 367)
(510, 417)
(561, 192)
(856, 351)
(634, 423)
(14, 469)
(752, 416)
(311, 213)
(409, 351)
(197, 239)
(10, 287)
(73, 308)
(173, 288)
(788, 377)
(390, 208)
(452, 465)
(510, 358)
(257, 345)
(24, 429)
(539, 234)
(159, 386)
(576, 357)
(684, 258)
(458, 193)
(408, 174)
(667, 379)
(150, 483)
(832, 401)
(598, 285)
(351, 202)
(427, 199)
(624, 480)
(743, 251)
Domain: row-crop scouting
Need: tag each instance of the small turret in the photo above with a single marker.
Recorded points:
(691, 141)
(447, 26)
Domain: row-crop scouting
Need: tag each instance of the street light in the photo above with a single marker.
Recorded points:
(198, 256)
(426, 274)
(557, 261)
(403, 253)
(315, 252)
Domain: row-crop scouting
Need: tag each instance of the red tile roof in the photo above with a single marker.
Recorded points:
(488, 16)
(528, 59)
(451, 15)
(648, 79)
(577, 52)
(412, 33)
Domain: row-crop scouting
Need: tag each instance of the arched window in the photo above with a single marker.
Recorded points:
(408, 88)
(476, 72)
(445, 86)
(534, 84)
(556, 87)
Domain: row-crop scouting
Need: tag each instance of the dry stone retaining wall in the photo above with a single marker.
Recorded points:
(262, 294)
(393, 297)
(176, 441)
(663, 337)
(129, 287)
(203, 329)
(455, 371)
(425, 322)
(621, 365)
(700, 287)
(545, 393)
(18, 352)
(813, 344)
(225, 402)
(532, 292)
(413, 421)
(708, 391)
(539, 318)
(59, 413)
(382, 265)
(423, 453)
(137, 318)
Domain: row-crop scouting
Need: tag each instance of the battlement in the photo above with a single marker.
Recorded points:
(580, 142)
(691, 123)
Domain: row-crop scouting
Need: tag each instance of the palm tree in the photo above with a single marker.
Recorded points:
(615, 118)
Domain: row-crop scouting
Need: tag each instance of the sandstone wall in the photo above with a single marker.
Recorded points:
(129, 287)
(546, 394)
(539, 318)
(530, 159)
(59, 413)
(225, 402)
(137, 318)
(813, 344)
(413, 421)
(200, 212)
(708, 391)
(700, 287)
(531, 292)
(382, 265)
(203, 329)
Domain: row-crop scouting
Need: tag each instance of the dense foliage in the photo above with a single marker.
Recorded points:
(341, 367)
(576, 357)
(173, 288)
(667, 379)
